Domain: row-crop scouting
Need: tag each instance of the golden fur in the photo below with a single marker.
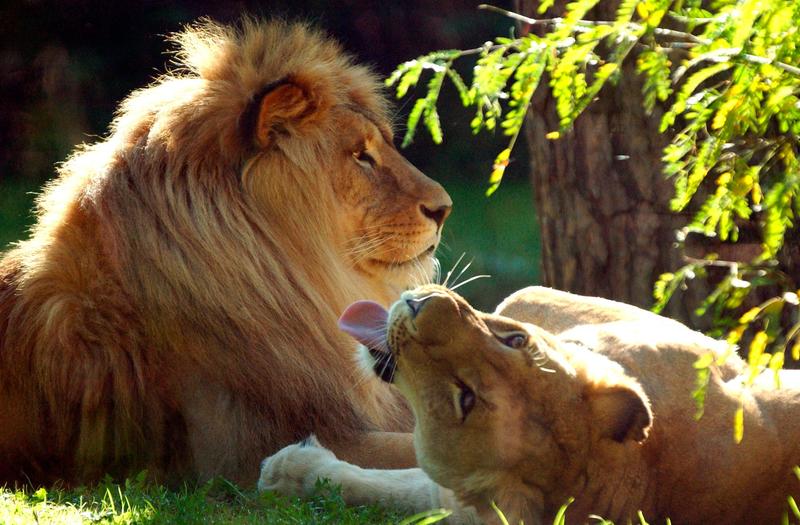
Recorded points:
(602, 412)
(175, 307)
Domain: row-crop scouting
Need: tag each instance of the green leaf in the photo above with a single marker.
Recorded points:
(461, 87)
(793, 507)
(409, 78)
(413, 121)
(688, 88)
(655, 65)
(745, 17)
(757, 347)
(427, 517)
(500, 515)
(778, 216)
(705, 360)
(775, 365)
(433, 124)
(625, 13)
(738, 424)
(499, 168)
(575, 11)
(750, 315)
(544, 5)
(561, 516)
(702, 379)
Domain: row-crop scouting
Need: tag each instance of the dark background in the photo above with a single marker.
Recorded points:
(64, 67)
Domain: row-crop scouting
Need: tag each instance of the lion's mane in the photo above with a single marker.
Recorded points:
(160, 318)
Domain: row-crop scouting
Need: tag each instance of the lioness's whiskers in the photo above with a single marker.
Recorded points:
(360, 376)
(380, 336)
(386, 363)
(466, 267)
(447, 277)
(473, 278)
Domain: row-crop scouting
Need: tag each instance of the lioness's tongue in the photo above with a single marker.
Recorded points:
(366, 322)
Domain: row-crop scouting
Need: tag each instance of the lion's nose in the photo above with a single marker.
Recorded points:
(416, 304)
(437, 214)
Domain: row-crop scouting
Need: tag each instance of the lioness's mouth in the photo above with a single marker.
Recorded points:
(366, 322)
(384, 365)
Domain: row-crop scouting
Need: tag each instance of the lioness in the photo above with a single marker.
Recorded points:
(507, 412)
(175, 306)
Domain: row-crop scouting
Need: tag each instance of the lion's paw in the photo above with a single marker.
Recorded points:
(294, 470)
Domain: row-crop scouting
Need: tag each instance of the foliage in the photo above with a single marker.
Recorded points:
(725, 78)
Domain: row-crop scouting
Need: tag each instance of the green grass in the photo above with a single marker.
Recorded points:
(218, 502)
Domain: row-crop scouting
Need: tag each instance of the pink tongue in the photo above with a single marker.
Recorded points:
(366, 322)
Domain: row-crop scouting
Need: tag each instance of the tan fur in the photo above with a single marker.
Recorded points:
(175, 307)
(602, 412)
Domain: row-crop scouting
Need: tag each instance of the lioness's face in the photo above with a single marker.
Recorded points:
(476, 383)
(505, 411)
(393, 213)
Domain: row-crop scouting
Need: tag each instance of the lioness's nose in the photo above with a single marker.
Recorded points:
(416, 304)
(437, 215)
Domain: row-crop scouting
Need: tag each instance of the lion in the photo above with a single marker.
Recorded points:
(600, 416)
(175, 306)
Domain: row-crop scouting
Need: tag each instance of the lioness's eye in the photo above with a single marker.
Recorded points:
(466, 400)
(516, 341)
(364, 158)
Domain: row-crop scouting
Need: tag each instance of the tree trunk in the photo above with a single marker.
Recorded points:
(601, 196)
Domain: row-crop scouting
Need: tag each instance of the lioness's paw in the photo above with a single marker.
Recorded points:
(294, 470)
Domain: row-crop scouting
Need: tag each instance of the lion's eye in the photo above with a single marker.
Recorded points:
(364, 159)
(466, 400)
(516, 341)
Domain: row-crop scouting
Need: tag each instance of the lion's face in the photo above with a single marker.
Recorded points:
(343, 177)
(392, 213)
(501, 406)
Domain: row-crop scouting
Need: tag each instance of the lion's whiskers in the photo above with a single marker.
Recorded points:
(443, 246)
(366, 246)
(419, 276)
(437, 270)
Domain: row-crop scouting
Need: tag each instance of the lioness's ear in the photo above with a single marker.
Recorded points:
(620, 412)
(288, 104)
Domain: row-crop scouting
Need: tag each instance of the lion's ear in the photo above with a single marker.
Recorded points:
(285, 106)
(620, 412)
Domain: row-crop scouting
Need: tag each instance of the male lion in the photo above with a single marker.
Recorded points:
(175, 307)
(507, 412)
